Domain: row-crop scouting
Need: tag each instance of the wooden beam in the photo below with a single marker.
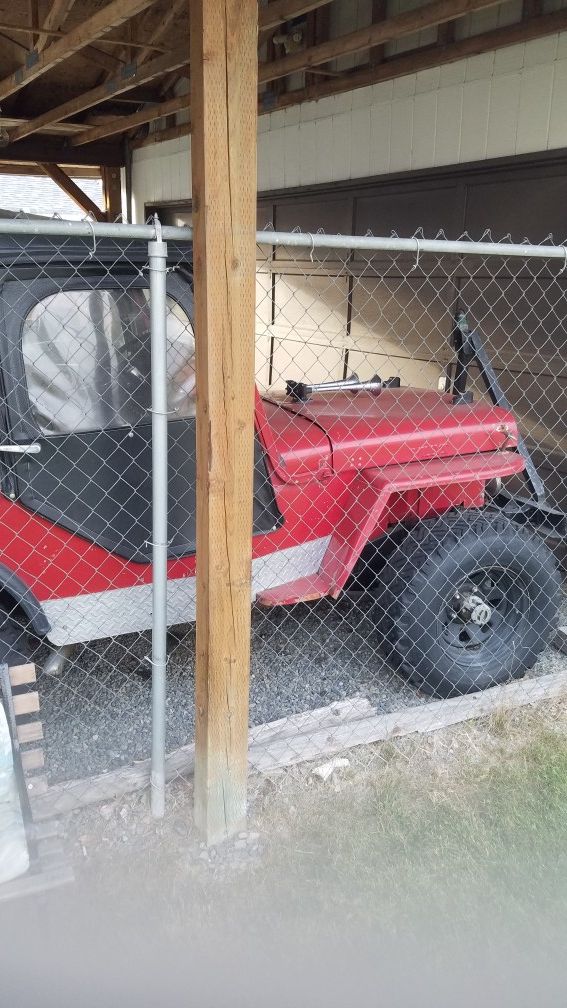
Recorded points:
(432, 56)
(224, 64)
(111, 16)
(54, 19)
(121, 124)
(379, 14)
(65, 128)
(77, 171)
(376, 34)
(112, 191)
(57, 34)
(103, 92)
(160, 136)
(446, 33)
(34, 19)
(54, 149)
(72, 190)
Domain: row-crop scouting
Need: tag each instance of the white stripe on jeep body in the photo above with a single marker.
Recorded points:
(82, 618)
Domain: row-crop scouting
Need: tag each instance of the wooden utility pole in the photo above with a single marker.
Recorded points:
(224, 108)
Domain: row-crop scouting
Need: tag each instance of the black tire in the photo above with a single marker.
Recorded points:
(15, 645)
(440, 585)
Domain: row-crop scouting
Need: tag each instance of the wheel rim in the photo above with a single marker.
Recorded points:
(483, 615)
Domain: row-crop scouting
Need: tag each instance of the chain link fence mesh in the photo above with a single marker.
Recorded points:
(400, 565)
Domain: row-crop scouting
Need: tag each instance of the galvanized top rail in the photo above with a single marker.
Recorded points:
(293, 239)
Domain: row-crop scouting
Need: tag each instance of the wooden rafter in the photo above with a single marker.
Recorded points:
(54, 20)
(103, 92)
(111, 16)
(78, 171)
(65, 128)
(400, 66)
(73, 191)
(121, 124)
(432, 56)
(376, 34)
(133, 43)
(55, 150)
(379, 13)
(34, 22)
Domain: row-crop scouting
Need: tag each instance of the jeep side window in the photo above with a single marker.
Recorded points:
(87, 360)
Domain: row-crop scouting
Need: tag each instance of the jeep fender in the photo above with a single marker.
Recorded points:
(365, 508)
(12, 585)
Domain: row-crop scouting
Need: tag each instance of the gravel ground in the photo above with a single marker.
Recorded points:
(97, 713)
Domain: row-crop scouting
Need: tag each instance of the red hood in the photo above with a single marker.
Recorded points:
(401, 425)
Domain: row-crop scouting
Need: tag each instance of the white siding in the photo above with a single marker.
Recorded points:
(497, 104)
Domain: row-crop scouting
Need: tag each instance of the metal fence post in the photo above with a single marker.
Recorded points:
(157, 252)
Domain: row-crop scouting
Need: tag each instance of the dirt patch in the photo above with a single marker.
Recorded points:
(432, 869)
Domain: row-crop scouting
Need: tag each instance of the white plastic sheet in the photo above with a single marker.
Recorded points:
(14, 858)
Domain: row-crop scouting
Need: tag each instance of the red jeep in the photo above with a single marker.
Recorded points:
(402, 482)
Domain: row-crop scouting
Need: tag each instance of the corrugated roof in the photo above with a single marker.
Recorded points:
(38, 196)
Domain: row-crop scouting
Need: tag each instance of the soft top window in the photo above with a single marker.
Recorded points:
(87, 360)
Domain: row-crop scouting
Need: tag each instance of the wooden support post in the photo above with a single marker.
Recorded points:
(224, 103)
(112, 190)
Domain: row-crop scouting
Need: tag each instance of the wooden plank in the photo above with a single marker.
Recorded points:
(45, 829)
(32, 759)
(36, 786)
(72, 794)
(21, 675)
(73, 191)
(426, 718)
(36, 883)
(30, 732)
(104, 92)
(110, 16)
(26, 703)
(375, 34)
(121, 124)
(224, 72)
(311, 735)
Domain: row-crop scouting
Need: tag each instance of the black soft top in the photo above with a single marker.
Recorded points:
(25, 255)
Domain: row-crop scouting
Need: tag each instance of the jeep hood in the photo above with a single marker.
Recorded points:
(401, 425)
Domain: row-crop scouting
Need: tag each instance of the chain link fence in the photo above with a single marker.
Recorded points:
(409, 480)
